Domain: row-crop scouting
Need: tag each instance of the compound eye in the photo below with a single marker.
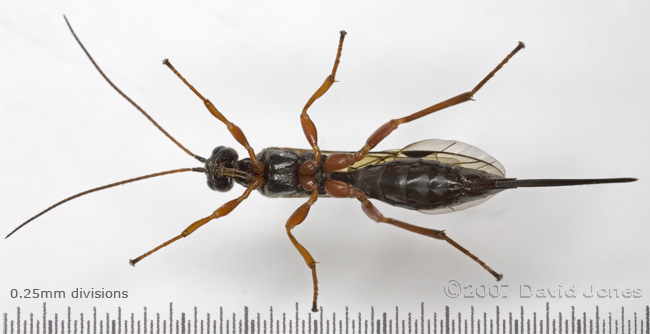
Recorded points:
(223, 154)
(221, 184)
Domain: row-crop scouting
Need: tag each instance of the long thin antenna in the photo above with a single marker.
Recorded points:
(199, 158)
(181, 170)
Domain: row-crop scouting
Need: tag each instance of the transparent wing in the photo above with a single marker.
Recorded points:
(453, 152)
(458, 207)
(448, 151)
(456, 153)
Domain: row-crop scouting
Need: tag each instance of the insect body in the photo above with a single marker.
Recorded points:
(431, 176)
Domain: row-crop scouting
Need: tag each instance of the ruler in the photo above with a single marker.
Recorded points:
(249, 321)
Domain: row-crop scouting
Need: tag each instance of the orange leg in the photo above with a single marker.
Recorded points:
(223, 210)
(342, 189)
(373, 213)
(294, 220)
(307, 124)
(235, 131)
(342, 160)
(309, 168)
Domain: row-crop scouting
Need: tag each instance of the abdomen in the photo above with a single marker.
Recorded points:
(423, 185)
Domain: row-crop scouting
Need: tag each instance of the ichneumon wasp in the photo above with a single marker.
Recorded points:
(431, 176)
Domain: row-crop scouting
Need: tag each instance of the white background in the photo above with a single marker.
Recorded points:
(573, 104)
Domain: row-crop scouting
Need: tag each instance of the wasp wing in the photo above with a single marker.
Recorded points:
(455, 153)
(452, 152)
(460, 154)
(446, 151)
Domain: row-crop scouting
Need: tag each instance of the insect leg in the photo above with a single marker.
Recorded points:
(235, 131)
(294, 220)
(223, 210)
(373, 213)
(339, 161)
(307, 124)
(308, 169)
(342, 189)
